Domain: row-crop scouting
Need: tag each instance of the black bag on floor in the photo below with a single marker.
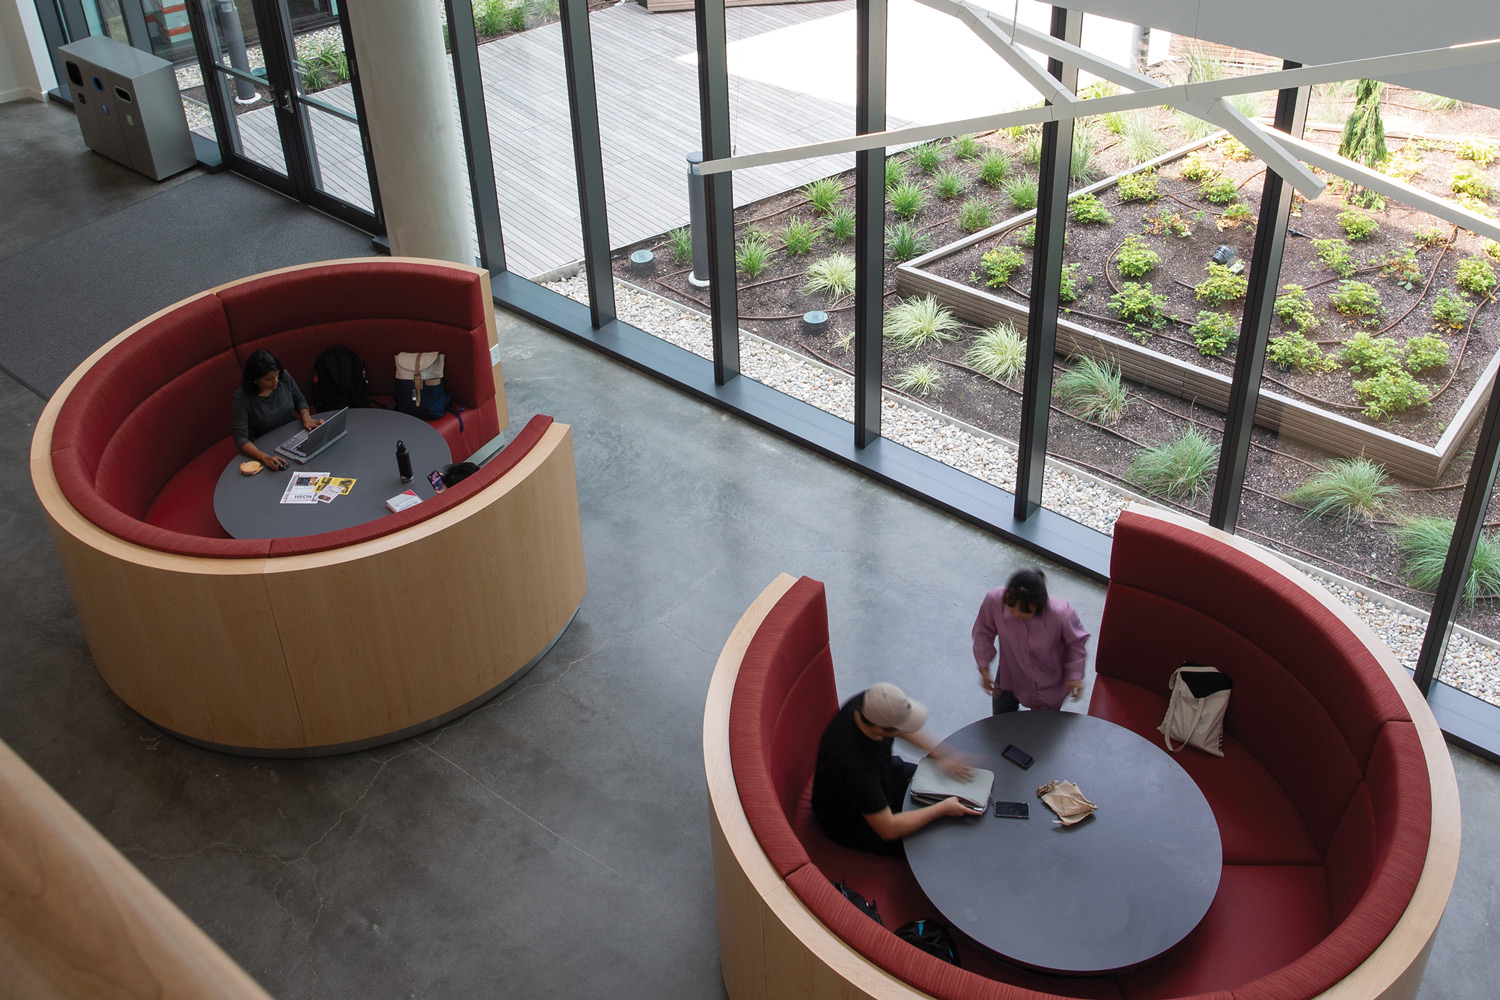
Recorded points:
(339, 380)
(866, 906)
(932, 936)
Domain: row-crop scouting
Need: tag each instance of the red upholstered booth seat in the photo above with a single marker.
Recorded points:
(141, 440)
(1322, 797)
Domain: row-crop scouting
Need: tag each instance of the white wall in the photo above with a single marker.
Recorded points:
(25, 67)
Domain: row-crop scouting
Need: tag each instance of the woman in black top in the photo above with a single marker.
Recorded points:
(267, 398)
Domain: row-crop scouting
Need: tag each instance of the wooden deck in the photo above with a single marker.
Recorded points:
(646, 72)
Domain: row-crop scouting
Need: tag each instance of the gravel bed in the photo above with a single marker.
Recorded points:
(1473, 661)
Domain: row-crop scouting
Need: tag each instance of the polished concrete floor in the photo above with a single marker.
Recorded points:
(554, 842)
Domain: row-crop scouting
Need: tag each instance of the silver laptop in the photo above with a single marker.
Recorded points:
(303, 445)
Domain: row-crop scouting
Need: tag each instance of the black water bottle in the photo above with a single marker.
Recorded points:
(403, 461)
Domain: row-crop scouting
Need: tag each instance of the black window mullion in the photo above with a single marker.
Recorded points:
(583, 102)
(869, 227)
(135, 24)
(1046, 279)
(468, 81)
(1255, 328)
(718, 189)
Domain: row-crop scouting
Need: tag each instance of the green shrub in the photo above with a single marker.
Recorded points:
(1031, 153)
(1437, 102)
(994, 167)
(1221, 286)
(1356, 224)
(999, 353)
(1067, 289)
(1294, 308)
(1022, 193)
(1423, 543)
(1219, 190)
(1475, 205)
(948, 184)
(489, 17)
(1467, 180)
(974, 214)
(1142, 140)
(999, 264)
(1092, 391)
(1165, 222)
(752, 254)
(895, 173)
(1295, 352)
(840, 224)
(799, 236)
(1402, 267)
(1196, 168)
(1451, 309)
(1337, 254)
(917, 322)
(682, 244)
(1099, 88)
(907, 199)
(1425, 352)
(1082, 167)
(1085, 208)
(1191, 126)
(833, 274)
(903, 242)
(1213, 332)
(1182, 467)
(926, 156)
(1113, 122)
(1236, 216)
(1136, 306)
(1140, 186)
(1492, 249)
(1135, 258)
(1426, 237)
(1475, 275)
(1026, 235)
(1369, 355)
(967, 147)
(1347, 487)
(824, 193)
(1232, 149)
(1356, 298)
(1390, 392)
(1481, 151)
(922, 379)
(516, 17)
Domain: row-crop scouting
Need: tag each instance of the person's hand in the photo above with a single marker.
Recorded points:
(952, 806)
(986, 682)
(955, 767)
(273, 462)
(1076, 687)
(309, 422)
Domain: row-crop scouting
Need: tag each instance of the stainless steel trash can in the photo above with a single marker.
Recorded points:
(127, 105)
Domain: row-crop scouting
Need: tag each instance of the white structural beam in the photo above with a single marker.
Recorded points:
(980, 24)
(1183, 96)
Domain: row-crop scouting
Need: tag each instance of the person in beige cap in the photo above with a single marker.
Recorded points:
(858, 784)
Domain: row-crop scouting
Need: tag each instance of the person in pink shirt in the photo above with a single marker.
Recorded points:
(1040, 642)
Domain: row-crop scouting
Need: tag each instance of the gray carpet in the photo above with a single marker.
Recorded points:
(62, 299)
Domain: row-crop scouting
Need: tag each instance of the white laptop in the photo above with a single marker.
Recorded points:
(304, 445)
(932, 784)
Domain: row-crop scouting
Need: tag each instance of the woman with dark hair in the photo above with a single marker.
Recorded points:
(267, 398)
(1040, 643)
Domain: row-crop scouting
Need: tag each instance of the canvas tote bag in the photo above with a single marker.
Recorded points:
(1195, 710)
(419, 384)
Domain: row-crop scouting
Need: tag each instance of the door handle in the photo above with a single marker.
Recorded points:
(284, 100)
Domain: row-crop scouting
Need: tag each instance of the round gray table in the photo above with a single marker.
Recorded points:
(1102, 895)
(251, 507)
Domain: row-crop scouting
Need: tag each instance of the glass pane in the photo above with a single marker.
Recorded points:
(339, 158)
(531, 139)
(257, 135)
(236, 35)
(168, 31)
(104, 18)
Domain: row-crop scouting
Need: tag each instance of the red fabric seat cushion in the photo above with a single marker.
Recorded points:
(1263, 918)
(186, 503)
(1258, 824)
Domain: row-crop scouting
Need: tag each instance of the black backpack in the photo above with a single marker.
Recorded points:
(339, 380)
(931, 936)
(865, 906)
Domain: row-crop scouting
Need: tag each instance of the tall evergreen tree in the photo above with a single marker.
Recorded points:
(1363, 140)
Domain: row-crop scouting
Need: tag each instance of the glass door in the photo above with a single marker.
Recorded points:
(280, 78)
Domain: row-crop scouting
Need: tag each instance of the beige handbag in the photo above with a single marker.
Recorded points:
(1195, 711)
(419, 384)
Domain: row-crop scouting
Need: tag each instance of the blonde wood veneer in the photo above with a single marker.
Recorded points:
(344, 646)
(78, 920)
(771, 947)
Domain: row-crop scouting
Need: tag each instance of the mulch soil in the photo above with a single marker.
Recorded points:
(772, 302)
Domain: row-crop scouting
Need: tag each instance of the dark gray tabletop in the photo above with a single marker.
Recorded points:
(251, 507)
(1105, 894)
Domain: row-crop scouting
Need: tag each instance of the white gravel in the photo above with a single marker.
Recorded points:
(1472, 663)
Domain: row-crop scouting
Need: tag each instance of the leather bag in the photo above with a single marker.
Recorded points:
(1199, 699)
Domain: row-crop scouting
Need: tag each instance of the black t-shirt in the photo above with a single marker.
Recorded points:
(855, 776)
